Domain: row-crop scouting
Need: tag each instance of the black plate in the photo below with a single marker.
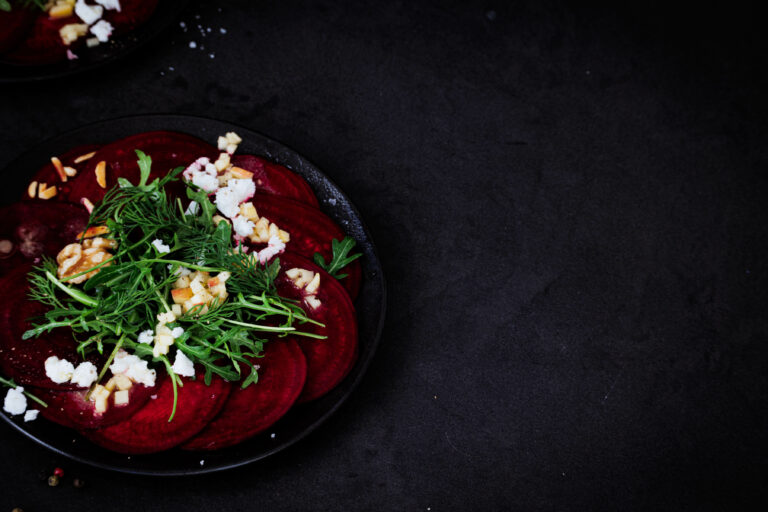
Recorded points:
(301, 420)
(166, 12)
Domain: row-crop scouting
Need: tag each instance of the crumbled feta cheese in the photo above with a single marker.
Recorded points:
(110, 5)
(202, 173)
(275, 247)
(102, 30)
(84, 374)
(242, 226)
(58, 370)
(193, 208)
(146, 337)
(183, 365)
(15, 402)
(31, 415)
(134, 368)
(166, 318)
(237, 191)
(160, 246)
(90, 14)
(177, 332)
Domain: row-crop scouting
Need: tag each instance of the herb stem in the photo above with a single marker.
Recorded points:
(75, 294)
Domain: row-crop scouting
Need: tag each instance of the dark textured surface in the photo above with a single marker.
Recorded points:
(569, 206)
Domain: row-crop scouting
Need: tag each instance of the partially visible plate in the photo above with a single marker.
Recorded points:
(166, 12)
(302, 419)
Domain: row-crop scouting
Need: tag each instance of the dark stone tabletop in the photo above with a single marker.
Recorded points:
(569, 204)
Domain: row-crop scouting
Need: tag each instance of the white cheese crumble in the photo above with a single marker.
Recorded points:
(85, 374)
(110, 5)
(102, 30)
(31, 415)
(161, 247)
(183, 365)
(15, 402)
(58, 370)
(275, 247)
(134, 368)
(228, 199)
(192, 209)
(146, 337)
(90, 14)
(202, 173)
(242, 226)
(177, 332)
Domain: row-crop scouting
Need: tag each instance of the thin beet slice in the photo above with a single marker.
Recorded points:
(149, 430)
(167, 149)
(47, 174)
(42, 43)
(276, 180)
(32, 229)
(331, 359)
(311, 231)
(132, 14)
(24, 360)
(13, 25)
(282, 373)
(71, 409)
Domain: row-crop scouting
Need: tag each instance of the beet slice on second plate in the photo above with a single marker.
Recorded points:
(276, 180)
(311, 231)
(331, 359)
(32, 229)
(149, 430)
(71, 409)
(282, 372)
(24, 360)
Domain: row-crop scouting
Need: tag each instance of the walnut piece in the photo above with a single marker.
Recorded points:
(76, 258)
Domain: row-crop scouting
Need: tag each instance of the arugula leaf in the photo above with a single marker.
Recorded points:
(5, 6)
(145, 164)
(341, 257)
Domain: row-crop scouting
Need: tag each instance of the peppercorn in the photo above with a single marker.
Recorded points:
(53, 480)
(78, 483)
(58, 472)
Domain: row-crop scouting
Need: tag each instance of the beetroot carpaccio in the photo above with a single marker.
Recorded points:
(30, 35)
(160, 292)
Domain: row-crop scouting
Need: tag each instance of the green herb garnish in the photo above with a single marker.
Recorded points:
(5, 5)
(133, 286)
(340, 258)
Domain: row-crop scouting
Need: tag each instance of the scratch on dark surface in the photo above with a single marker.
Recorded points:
(455, 447)
(613, 384)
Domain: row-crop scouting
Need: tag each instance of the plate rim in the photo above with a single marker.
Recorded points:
(379, 315)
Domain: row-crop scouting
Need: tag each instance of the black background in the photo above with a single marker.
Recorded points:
(569, 205)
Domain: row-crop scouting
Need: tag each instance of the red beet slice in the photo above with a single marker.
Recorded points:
(311, 231)
(132, 14)
(24, 360)
(13, 26)
(254, 409)
(149, 430)
(42, 44)
(328, 360)
(71, 409)
(167, 149)
(47, 174)
(276, 180)
(32, 229)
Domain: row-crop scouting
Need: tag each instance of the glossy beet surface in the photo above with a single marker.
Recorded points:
(276, 180)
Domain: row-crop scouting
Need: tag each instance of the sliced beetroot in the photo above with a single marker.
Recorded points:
(42, 43)
(167, 149)
(24, 360)
(149, 430)
(132, 14)
(71, 409)
(276, 180)
(47, 174)
(328, 360)
(311, 231)
(13, 25)
(32, 229)
(282, 373)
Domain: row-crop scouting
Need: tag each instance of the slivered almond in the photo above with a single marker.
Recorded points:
(93, 232)
(83, 158)
(101, 174)
(32, 189)
(240, 173)
(47, 192)
(70, 171)
(59, 168)
(60, 11)
(88, 205)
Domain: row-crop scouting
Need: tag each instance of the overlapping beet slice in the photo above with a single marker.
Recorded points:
(13, 25)
(32, 229)
(50, 176)
(276, 180)
(24, 360)
(331, 359)
(71, 409)
(167, 149)
(132, 14)
(42, 43)
(148, 430)
(311, 231)
(282, 373)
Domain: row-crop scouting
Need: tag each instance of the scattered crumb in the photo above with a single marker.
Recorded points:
(192, 45)
(212, 55)
(202, 462)
(272, 435)
(223, 30)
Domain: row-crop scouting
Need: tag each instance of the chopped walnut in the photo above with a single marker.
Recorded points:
(76, 258)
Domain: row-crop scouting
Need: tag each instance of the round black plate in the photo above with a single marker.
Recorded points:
(166, 12)
(301, 420)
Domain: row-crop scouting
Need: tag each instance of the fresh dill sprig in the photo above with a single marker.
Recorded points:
(132, 287)
(340, 257)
